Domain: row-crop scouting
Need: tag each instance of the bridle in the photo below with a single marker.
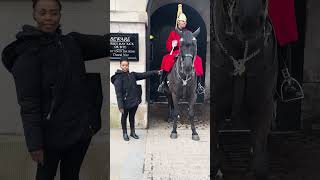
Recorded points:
(232, 5)
(180, 64)
(239, 65)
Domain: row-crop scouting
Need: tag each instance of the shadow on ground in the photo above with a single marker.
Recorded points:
(158, 116)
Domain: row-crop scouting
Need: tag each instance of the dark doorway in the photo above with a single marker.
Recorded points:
(162, 21)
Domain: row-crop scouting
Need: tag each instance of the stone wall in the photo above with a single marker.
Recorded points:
(129, 16)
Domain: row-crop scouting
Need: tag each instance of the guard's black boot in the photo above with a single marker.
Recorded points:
(200, 88)
(133, 134)
(125, 136)
(163, 77)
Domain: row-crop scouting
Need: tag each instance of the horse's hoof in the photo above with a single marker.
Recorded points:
(218, 178)
(195, 137)
(173, 135)
(219, 175)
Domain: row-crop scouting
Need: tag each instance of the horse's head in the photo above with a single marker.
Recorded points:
(188, 49)
(248, 18)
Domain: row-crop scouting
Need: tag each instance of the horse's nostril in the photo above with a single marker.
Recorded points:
(188, 69)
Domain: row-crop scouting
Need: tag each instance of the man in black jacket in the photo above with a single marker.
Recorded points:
(128, 96)
(50, 78)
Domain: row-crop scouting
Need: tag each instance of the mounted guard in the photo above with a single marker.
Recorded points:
(173, 48)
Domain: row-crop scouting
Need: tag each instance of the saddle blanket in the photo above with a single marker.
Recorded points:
(282, 15)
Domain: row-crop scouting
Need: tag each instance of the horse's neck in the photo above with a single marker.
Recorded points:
(176, 67)
(220, 17)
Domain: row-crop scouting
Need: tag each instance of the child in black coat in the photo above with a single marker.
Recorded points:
(128, 94)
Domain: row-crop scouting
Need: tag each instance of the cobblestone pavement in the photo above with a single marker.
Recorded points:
(157, 157)
(177, 159)
(126, 157)
(181, 158)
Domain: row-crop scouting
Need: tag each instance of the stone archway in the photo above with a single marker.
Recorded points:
(162, 17)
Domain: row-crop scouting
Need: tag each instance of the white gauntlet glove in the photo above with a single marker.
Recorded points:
(174, 43)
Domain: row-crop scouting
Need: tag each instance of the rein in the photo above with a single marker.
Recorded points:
(184, 81)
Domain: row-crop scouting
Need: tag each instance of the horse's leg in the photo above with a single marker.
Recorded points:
(222, 99)
(259, 99)
(260, 103)
(170, 108)
(217, 155)
(192, 101)
(263, 116)
(174, 134)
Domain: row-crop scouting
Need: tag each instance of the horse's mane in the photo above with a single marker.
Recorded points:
(183, 30)
(187, 33)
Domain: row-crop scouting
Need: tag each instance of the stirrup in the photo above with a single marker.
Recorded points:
(290, 88)
(200, 89)
(161, 88)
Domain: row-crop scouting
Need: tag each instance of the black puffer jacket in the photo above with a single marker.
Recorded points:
(49, 74)
(126, 88)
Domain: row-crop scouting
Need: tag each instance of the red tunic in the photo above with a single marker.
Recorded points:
(169, 60)
(282, 15)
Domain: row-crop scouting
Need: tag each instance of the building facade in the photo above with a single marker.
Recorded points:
(156, 18)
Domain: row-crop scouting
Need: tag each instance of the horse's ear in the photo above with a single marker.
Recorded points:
(196, 33)
(265, 5)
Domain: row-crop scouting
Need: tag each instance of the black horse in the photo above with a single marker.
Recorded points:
(244, 75)
(182, 81)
